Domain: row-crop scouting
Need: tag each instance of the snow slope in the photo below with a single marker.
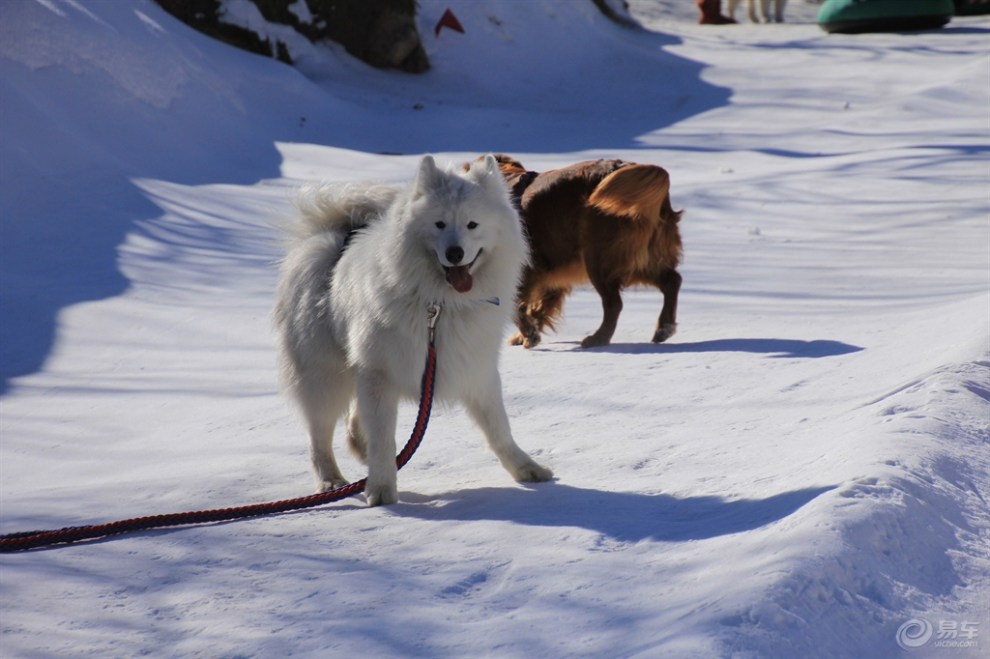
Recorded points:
(801, 471)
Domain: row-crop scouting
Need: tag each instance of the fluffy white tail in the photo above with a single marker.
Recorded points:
(340, 207)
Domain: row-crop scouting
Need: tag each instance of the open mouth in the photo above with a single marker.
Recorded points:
(459, 276)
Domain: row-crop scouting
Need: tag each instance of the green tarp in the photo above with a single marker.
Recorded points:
(972, 7)
(852, 16)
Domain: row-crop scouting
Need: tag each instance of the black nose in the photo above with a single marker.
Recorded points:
(454, 254)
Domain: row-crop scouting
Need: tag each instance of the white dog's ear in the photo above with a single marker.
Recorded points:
(428, 177)
(491, 165)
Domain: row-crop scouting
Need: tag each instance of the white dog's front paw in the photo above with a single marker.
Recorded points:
(382, 494)
(531, 472)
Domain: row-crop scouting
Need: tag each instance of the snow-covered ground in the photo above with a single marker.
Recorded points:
(801, 472)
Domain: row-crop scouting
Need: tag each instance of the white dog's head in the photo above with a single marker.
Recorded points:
(465, 218)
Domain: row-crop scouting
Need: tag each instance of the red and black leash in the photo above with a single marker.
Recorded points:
(22, 541)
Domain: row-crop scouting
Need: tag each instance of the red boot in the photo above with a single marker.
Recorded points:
(711, 13)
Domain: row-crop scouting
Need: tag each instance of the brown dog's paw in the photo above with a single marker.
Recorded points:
(594, 341)
(529, 340)
(664, 332)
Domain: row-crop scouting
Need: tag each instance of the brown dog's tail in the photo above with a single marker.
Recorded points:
(636, 191)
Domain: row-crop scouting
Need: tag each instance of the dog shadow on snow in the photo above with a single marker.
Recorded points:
(778, 348)
(621, 516)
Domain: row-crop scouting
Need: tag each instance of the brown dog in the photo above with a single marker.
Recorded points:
(605, 221)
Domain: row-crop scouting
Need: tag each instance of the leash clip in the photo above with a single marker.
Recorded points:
(432, 313)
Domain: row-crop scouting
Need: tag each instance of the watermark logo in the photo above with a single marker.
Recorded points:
(920, 632)
(915, 633)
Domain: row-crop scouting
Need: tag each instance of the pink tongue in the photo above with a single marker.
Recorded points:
(460, 278)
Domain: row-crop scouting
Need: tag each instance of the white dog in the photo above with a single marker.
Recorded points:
(778, 10)
(366, 263)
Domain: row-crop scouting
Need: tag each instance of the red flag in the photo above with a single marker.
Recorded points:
(448, 20)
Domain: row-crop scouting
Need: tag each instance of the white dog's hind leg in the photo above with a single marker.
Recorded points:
(732, 8)
(322, 403)
(328, 476)
(355, 435)
(751, 11)
(489, 413)
(377, 407)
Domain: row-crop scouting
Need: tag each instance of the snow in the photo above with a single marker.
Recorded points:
(799, 472)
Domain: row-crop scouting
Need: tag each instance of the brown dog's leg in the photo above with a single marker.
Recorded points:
(548, 310)
(517, 338)
(669, 283)
(711, 12)
(611, 307)
(535, 317)
(529, 333)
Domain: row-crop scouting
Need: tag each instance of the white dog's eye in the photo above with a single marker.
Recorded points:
(441, 225)
(472, 225)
